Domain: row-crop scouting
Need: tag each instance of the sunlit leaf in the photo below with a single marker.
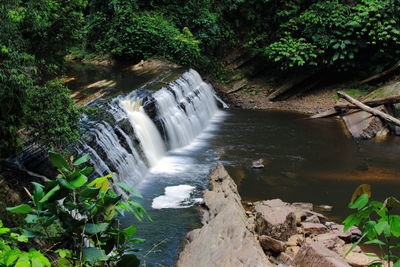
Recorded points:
(85, 158)
(23, 209)
(58, 161)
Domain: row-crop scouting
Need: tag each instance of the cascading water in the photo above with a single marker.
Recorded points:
(146, 131)
(130, 141)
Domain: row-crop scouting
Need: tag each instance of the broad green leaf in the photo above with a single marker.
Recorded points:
(395, 225)
(87, 170)
(360, 203)
(93, 255)
(397, 264)
(81, 160)
(89, 192)
(381, 227)
(362, 189)
(4, 231)
(50, 194)
(58, 161)
(94, 228)
(130, 231)
(350, 221)
(80, 181)
(23, 209)
(64, 253)
(128, 260)
(101, 182)
(129, 189)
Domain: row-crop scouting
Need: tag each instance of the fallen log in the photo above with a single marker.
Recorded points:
(368, 109)
(327, 113)
(376, 102)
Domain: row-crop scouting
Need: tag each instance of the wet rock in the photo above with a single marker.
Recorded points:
(316, 255)
(257, 164)
(276, 219)
(224, 239)
(269, 243)
(313, 228)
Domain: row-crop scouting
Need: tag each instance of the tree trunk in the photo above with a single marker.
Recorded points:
(376, 102)
(366, 108)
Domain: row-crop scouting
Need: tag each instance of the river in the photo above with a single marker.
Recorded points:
(305, 161)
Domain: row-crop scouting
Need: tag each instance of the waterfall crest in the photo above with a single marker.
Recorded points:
(141, 128)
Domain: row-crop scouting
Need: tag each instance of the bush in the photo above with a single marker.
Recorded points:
(80, 218)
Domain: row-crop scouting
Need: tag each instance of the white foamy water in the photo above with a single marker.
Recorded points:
(174, 197)
(146, 131)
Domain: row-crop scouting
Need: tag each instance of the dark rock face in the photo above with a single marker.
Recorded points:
(224, 240)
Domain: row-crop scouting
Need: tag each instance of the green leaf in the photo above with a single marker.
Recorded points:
(128, 260)
(129, 189)
(350, 221)
(397, 264)
(360, 202)
(94, 228)
(93, 255)
(381, 227)
(4, 231)
(137, 240)
(58, 161)
(376, 242)
(80, 181)
(62, 262)
(23, 209)
(81, 160)
(89, 192)
(130, 231)
(50, 194)
(87, 170)
(395, 225)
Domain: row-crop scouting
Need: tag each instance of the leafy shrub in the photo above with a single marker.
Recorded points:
(80, 217)
(379, 224)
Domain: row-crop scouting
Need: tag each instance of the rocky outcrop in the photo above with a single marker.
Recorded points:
(224, 240)
(271, 233)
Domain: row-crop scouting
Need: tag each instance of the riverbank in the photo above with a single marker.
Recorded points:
(271, 233)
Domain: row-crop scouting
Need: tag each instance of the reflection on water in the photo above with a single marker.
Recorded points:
(312, 161)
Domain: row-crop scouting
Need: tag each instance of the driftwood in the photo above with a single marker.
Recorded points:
(340, 108)
(382, 74)
(368, 109)
(376, 102)
(327, 113)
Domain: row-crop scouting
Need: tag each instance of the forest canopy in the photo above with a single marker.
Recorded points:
(36, 35)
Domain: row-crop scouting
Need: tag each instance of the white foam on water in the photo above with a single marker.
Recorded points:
(174, 197)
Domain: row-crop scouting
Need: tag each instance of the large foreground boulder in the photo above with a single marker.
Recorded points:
(224, 240)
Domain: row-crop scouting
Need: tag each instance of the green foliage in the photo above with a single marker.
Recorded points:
(52, 114)
(34, 38)
(81, 217)
(11, 255)
(379, 224)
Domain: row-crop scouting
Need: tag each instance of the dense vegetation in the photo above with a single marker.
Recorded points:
(72, 222)
(346, 35)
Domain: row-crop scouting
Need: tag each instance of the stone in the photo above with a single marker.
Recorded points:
(359, 259)
(351, 235)
(285, 258)
(329, 240)
(316, 255)
(257, 164)
(303, 205)
(325, 208)
(342, 249)
(269, 243)
(295, 240)
(276, 219)
(224, 239)
(313, 219)
(313, 228)
(292, 250)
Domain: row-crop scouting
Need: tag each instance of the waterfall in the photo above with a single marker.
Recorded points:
(137, 130)
(146, 131)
